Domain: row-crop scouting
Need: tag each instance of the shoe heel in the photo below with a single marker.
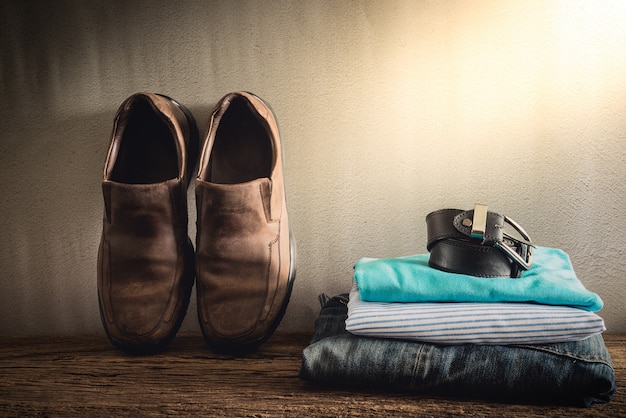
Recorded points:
(194, 137)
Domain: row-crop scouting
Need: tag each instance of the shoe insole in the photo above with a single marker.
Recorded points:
(242, 150)
(147, 151)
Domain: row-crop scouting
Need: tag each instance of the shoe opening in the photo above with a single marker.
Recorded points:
(242, 150)
(147, 151)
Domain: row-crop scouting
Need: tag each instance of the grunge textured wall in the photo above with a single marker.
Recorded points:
(388, 110)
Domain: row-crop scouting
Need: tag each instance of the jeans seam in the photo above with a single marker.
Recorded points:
(416, 367)
(568, 354)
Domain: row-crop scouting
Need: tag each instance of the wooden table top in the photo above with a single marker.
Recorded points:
(86, 376)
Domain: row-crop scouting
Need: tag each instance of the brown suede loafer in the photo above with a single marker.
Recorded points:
(245, 255)
(145, 261)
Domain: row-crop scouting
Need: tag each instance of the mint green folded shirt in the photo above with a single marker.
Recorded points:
(551, 281)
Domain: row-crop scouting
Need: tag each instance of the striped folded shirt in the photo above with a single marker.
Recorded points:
(470, 323)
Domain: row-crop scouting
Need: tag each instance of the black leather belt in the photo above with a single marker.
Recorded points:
(474, 242)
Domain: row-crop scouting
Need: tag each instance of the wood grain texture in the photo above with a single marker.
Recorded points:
(86, 376)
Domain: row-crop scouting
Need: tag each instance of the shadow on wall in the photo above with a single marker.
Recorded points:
(52, 221)
(51, 171)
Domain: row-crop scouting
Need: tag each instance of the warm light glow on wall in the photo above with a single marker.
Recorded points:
(505, 80)
(490, 65)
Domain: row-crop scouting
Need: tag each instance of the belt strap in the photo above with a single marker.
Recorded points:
(474, 242)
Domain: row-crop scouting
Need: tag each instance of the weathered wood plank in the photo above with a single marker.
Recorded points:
(85, 376)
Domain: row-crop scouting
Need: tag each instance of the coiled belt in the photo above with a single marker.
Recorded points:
(474, 242)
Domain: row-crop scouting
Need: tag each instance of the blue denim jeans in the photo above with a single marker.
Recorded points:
(578, 373)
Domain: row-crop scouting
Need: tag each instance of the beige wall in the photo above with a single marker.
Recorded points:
(389, 110)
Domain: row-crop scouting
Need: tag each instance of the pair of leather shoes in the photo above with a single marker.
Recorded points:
(244, 261)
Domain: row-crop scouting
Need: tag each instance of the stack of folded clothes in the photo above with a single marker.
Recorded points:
(407, 326)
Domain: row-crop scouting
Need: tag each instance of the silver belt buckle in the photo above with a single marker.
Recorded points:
(526, 263)
(479, 227)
